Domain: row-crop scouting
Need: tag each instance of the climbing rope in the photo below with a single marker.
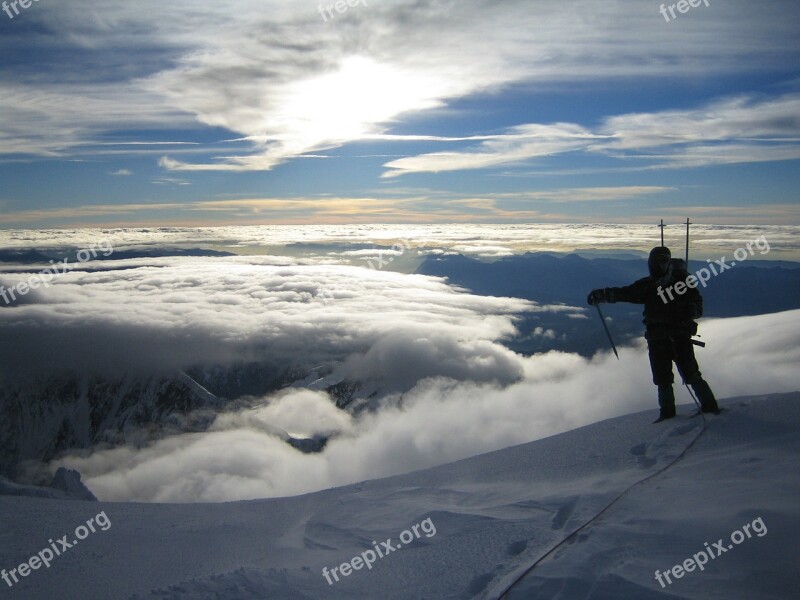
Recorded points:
(608, 506)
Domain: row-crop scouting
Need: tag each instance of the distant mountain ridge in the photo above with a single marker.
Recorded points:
(746, 289)
(39, 420)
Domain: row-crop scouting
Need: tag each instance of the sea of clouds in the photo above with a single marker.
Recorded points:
(447, 387)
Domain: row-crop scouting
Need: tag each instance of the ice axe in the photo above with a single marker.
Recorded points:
(608, 333)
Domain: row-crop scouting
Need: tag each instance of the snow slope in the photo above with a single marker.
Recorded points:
(493, 514)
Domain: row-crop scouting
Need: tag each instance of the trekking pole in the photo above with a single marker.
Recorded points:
(687, 242)
(695, 342)
(608, 333)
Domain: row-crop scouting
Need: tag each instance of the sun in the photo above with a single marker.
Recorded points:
(350, 102)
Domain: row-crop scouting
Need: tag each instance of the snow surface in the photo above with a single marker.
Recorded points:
(494, 515)
(66, 484)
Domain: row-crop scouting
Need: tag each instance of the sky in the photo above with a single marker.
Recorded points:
(190, 113)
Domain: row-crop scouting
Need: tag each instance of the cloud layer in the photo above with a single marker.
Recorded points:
(326, 244)
(159, 315)
(445, 386)
(437, 421)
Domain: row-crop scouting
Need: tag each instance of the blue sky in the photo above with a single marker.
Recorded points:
(260, 112)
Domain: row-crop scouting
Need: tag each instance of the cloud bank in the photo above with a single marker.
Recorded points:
(331, 244)
(440, 419)
(445, 385)
(160, 315)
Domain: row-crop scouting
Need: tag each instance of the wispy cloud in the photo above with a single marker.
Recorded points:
(55, 119)
(335, 209)
(81, 212)
(729, 131)
(739, 118)
(595, 194)
(273, 74)
(171, 181)
(755, 214)
(520, 144)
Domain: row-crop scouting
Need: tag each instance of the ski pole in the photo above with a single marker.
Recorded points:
(608, 333)
(695, 342)
(687, 242)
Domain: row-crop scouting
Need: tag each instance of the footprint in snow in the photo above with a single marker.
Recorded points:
(682, 430)
(564, 513)
(517, 547)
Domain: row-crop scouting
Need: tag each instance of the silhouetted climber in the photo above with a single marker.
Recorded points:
(671, 306)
